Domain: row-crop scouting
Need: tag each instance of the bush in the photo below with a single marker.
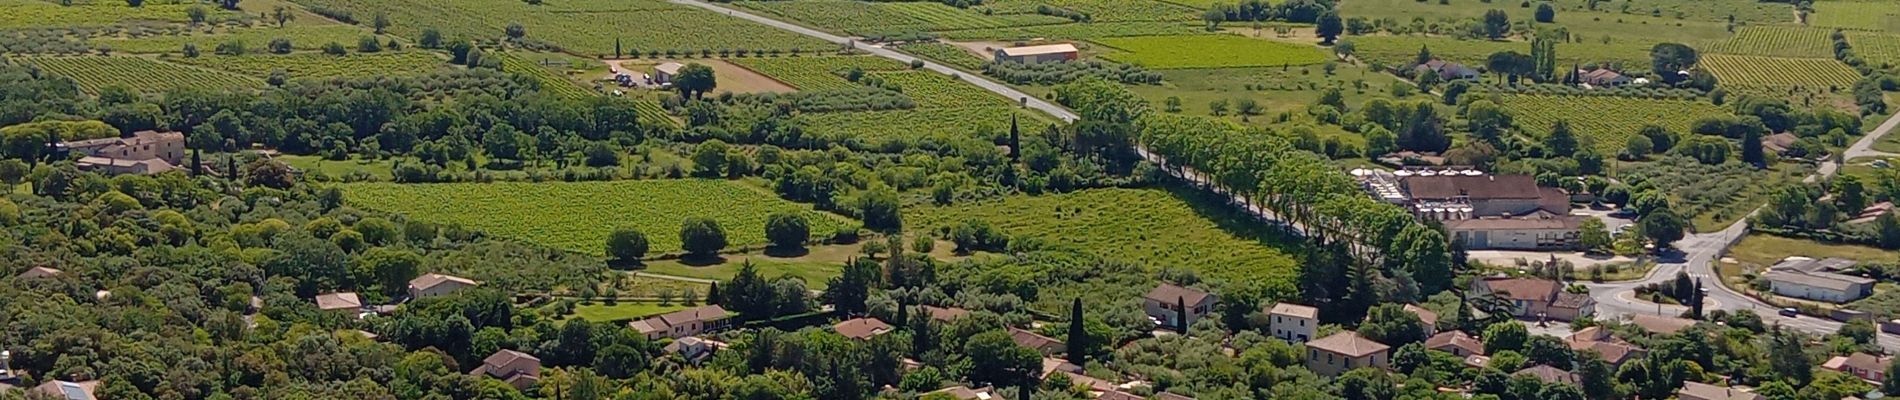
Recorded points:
(787, 230)
(280, 46)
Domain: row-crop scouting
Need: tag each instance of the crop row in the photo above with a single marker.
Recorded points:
(1608, 122)
(816, 73)
(931, 89)
(1102, 10)
(1077, 31)
(1209, 51)
(593, 28)
(1876, 48)
(1775, 72)
(872, 129)
(308, 37)
(1777, 41)
(938, 16)
(945, 53)
(141, 74)
(322, 66)
(47, 14)
(1862, 15)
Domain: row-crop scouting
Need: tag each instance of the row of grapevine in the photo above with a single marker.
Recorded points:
(141, 74)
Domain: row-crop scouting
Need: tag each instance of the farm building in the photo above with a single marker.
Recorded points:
(1812, 279)
(664, 73)
(431, 285)
(1486, 211)
(1293, 322)
(144, 153)
(1037, 54)
(1602, 77)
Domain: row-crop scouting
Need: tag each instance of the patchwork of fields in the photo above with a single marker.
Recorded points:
(1857, 15)
(578, 216)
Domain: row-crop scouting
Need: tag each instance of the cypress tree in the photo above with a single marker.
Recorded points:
(1078, 335)
(197, 163)
(712, 294)
(1180, 314)
(616, 47)
(1695, 306)
(903, 313)
(1015, 140)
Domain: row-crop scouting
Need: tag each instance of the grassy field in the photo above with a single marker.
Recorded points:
(551, 81)
(1763, 250)
(254, 39)
(881, 18)
(1275, 89)
(1153, 227)
(1859, 15)
(817, 73)
(1209, 51)
(623, 310)
(1776, 41)
(1776, 72)
(815, 273)
(141, 74)
(1608, 122)
(323, 66)
(581, 26)
(1748, 11)
(579, 216)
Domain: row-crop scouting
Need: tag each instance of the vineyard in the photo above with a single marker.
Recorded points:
(322, 66)
(1102, 10)
(1078, 31)
(1606, 121)
(1774, 72)
(938, 16)
(141, 74)
(1776, 41)
(816, 73)
(550, 81)
(1876, 48)
(1150, 227)
(47, 14)
(310, 37)
(1209, 51)
(1859, 15)
(844, 15)
(934, 90)
(582, 26)
(869, 129)
(946, 53)
(1403, 49)
(578, 216)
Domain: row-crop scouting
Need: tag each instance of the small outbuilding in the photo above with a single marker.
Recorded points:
(1038, 54)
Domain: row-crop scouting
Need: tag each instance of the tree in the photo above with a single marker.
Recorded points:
(515, 31)
(282, 15)
(848, 291)
(279, 46)
(787, 230)
(880, 208)
(1562, 142)
(701, 236)
(1787, 360)
(996, 360)
(197, 15)
(627, 244)
(1391, 324)
(387, 268)
(1496, 24)
(709, 159)
(1890, 383)
(1181, 315)
(1078, 339)
(228, 4)
(1889, 227)
(1546, 13)
(1663, 227)
(1594, 375)
(1593, 236)
(1506, 335)
(695, 80)
(1752, 149)
(430, 39)
(1667, 60)
(1548, 350)
(1860, 331)
(380, 23)
(1329, 27)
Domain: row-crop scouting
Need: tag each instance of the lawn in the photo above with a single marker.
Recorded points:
(578, 216)
(1157, 228)
(623, 310)
(1208, 51)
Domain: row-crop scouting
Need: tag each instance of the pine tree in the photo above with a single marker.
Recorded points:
(1078, 335)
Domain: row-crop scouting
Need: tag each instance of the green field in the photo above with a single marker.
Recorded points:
(1776, 72)
(815, 274)
(1078, 31)
(882, 18)
(550, 81)
(947, 54)
(1860, 15)
(817, 73)
(1744, 11)
(873, 127)
(254, 39)
(1103, 10)
(1606, 121)
(937, 16)
(579, 216)
(581, 26)
(1776, 41)
(1209, 51)
(1875, 48)
(624, 310)
(934, 90)
(141, 74)
(323, 66)
(1150, 227)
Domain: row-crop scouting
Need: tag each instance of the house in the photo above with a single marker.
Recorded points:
(431, 285)
(516, 368)
(39, 272)
(945, 314)
(1054, 365)
(683, 323)
(962, 393)
(1455, 342)
(1427, 317)
(1037, 54)
(1093, 384)
(1344, 351)
(1043, 344)
(1118, 395)
(1293, 322)
(1537, 298)
(693, 349)
(1661, 325)
(1779, 143)
(348, 301)
(1164, 304)
(1866, 366)
(1703, 391)
(1598, 340)
(666, 72)
(1819, 285)
(863, 328)
(1550, 375)
(65, 390)
(143, 152)
(1446, 70)
(1602, 77)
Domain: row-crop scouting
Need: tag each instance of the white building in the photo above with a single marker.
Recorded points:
(431, 285)
(1293, 322)
(1037, 54)
(1819, 285)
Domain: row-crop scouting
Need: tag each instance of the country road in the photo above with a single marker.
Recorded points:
(1699, 253)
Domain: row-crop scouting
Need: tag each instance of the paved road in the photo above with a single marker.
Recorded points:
(1699, 254)
(1031, 101)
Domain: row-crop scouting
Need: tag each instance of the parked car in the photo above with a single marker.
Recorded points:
(1790, 312)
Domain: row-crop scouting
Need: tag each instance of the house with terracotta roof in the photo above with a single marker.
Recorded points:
(1704, 391)
(143, 152)
(1043, 344)
(1550, 375)
(1602, 78)
(1537, 299)
(1598, 340)
(1293, 322)
(516, 368)
(862, 328)
(1427, 317)
(1164, 304)
(1053, 365)
(431, 285)
(66, 390)
(1492, 211)
(1866, 366)
(693, 349)
(1345, 351)
(1455, 342)
(945, 314)
(39, 272)
(683, 323)
(346, 301)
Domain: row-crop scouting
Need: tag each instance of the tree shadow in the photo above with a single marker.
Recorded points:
(625, 265)
(706, 260)
(782, 252)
